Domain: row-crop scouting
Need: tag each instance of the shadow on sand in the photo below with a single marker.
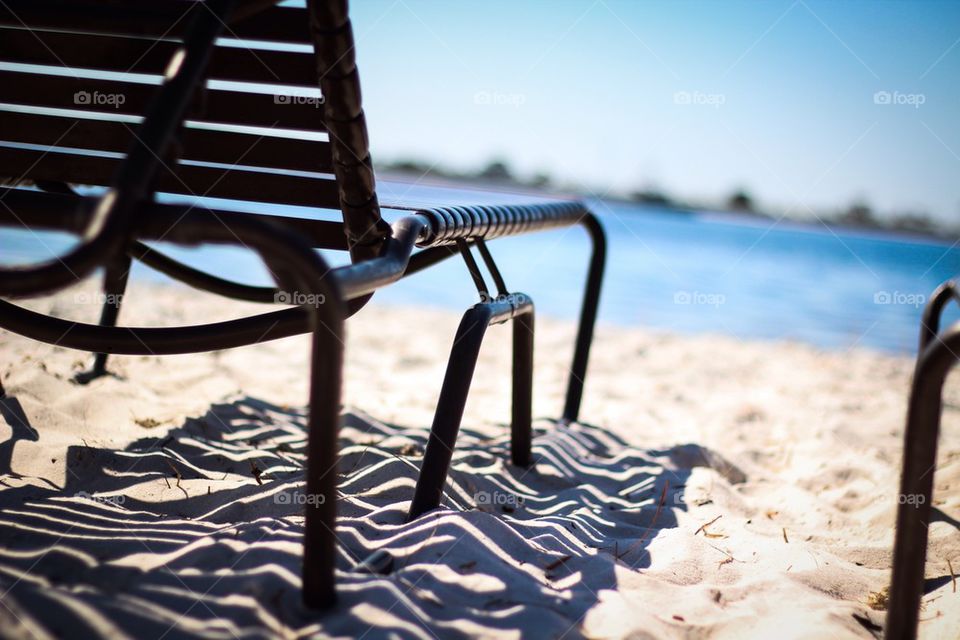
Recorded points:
(197, 531)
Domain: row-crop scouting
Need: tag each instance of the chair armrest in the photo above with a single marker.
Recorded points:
(446, 225)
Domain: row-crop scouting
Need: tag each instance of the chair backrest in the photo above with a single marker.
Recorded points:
(76, 74)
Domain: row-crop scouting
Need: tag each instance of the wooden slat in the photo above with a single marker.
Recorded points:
(189, 180)
(58, 212)
(226, 147)
(166, 19)
(212, 105)
(141, 55)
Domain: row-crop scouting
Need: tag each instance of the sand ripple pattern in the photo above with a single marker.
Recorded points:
(197, 532)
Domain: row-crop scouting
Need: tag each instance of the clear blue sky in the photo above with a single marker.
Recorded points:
(593, 92)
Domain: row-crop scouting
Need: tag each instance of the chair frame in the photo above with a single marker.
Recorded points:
(938, 354)
(112, 236)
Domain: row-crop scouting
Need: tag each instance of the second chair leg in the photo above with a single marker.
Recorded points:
(456, 388)
(588, 317)
(521, 422)
(114, 286)
(446, 419)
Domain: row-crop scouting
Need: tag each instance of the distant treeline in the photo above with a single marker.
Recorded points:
(858, 214)
(495, 171)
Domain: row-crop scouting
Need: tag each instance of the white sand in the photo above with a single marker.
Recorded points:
(790, 452)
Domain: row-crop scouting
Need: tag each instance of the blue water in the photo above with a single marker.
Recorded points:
(691, 273)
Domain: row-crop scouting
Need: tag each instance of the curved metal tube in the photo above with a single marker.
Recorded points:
(365, 277)
(353, 281)
(200, 279)
(930, 321)
(916, 483)
(145, 341)
(113, 221)
(358, 280)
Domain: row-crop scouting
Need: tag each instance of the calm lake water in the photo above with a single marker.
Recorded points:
(691, 273)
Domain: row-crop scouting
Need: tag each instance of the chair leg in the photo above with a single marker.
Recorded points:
(588, 317)
(449, 413)
(456, 387)
(319, 539)
(916, 483)
(114, 286)
(521, 423)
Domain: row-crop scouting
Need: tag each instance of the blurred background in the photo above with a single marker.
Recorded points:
(763, 169)
(771, 170)
(808, 107)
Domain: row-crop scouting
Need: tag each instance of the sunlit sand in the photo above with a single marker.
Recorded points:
(715, 487)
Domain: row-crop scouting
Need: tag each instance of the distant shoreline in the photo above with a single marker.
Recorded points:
(667, 206)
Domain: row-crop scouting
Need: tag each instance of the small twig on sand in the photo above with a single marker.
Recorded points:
(785, 539)
(704, 526)
(179, 477)
(255, 470)
(953, 577)
(726, 553)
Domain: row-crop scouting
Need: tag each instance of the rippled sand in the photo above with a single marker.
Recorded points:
(716, 488)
